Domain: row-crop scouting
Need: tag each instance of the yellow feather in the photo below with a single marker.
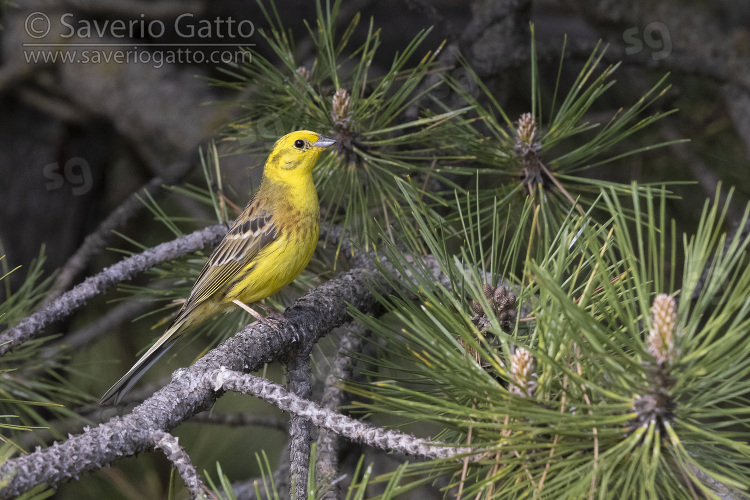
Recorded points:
(268, 246)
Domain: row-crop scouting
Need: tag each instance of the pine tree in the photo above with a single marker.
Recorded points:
(502, 322)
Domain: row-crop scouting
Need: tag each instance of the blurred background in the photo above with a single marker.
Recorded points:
(78, 138)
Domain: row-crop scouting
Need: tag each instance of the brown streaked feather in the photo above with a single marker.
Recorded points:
(239, 247)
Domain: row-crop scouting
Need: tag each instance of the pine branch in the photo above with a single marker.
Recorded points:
(327, 449)
(191, 390)
(124, 270)
(90, 414)
(181, 461)
(388, 440)
(299, 375)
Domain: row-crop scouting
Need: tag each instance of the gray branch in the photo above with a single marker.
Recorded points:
(191, 389)
(181, 461)
(328, 447)
(124, 270)
(360, 432)
(299, 375)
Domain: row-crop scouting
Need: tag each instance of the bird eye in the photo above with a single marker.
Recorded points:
(299, 144)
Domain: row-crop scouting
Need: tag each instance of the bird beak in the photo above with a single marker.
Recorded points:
(323, 142)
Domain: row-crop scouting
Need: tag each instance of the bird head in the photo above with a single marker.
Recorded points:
(294, 155)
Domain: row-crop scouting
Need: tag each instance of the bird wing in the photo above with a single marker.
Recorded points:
(250, 233)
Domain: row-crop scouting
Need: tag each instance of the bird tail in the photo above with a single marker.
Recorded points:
(147, 360)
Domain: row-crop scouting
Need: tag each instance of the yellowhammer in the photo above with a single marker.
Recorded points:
(268, 245)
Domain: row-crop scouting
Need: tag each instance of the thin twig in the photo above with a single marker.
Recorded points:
(97, 240)
(360, 432)
(561, 188)
(181, 461)
(191, 390)
(312, 316)
(124, 270)
(55, 106)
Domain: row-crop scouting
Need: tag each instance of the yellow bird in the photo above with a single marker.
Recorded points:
(268, 246)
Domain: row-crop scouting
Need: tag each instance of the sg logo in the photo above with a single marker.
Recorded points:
(76, 171)
(655, 36)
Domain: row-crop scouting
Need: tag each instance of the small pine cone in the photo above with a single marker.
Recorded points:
(507, 302)
(507, 319)
(304, 73)
(661, 335)
(340, 109)
(477, 308)
(501, 302)
(527, 127)
(482, 323)
(522, 372)
(526, 133)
